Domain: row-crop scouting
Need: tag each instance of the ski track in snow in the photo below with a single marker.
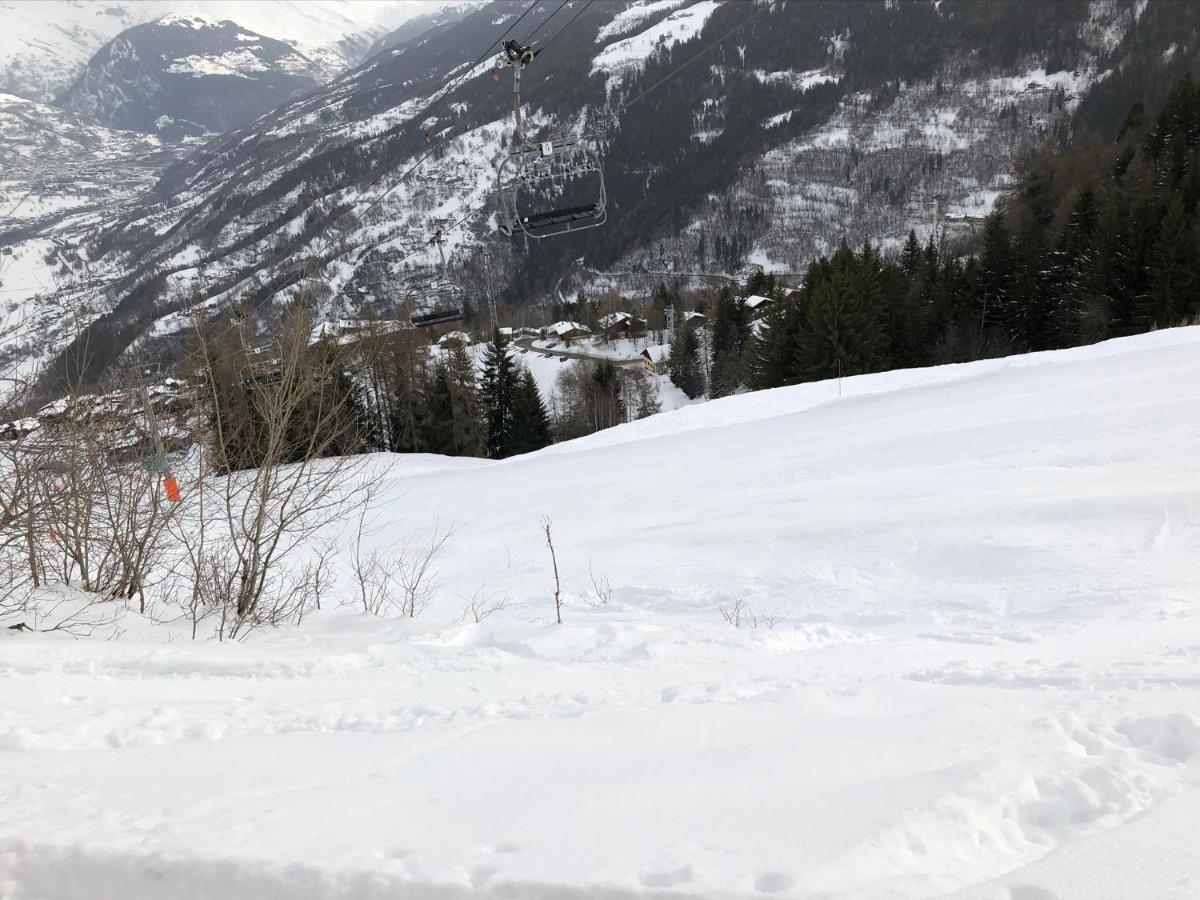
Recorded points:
(982, 679)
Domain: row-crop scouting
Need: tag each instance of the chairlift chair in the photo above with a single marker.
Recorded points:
(534, 165)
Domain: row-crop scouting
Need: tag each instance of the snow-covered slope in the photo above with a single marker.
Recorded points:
(60, 176)
(44, 44)
(975, 670)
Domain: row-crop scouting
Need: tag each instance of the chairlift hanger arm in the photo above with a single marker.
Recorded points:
(518, 56)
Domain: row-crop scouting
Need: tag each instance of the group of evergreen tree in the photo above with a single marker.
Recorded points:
(1098, 240)
(516, 417)
(382, 393)
(500, 415)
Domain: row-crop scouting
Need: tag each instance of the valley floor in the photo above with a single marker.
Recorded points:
(975, 670)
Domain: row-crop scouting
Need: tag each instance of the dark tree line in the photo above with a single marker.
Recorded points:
(380, 391)
(1099, 239)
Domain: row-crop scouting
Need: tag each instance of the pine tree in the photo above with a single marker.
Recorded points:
(992, 307)
(685, 365)
(730, 326)
(1173, 271)
(1072, 289)
(468, 422)
(842, 332)
(772, 350)
(530, 420)
(497, 388)
(437, 413)
(910, 257)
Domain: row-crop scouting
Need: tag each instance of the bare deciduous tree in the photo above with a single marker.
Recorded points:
(288, 414)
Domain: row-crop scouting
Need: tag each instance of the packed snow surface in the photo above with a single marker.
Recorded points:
(968, 665)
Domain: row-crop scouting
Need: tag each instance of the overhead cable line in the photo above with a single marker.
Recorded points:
(424, 114)
(750, 18)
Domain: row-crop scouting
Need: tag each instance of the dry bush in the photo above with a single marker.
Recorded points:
(481, 604)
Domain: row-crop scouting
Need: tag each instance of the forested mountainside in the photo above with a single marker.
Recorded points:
(732, 134)
(186, 75)
(1098, 239)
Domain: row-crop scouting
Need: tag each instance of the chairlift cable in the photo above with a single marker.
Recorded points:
(546, 21)
(670, 75)
(445, 92)
(423, 114)
(571, 21)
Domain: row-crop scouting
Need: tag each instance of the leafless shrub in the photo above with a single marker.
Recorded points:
(79, 505)
(315, 581)
(733, 613)
(739, 613)
(417, 578)
(482, 604)
(400, 576)
(601, 589)
(768, 621)
(72, 615)
(547, 524)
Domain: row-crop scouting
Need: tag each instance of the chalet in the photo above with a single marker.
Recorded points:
(454, 340)
(617, 324)
(567, 331)
(693, 319)
(655, 358)
(757, 304)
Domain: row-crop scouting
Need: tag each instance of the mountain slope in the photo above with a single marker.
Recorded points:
(966, 661)
(60, 176)
(732, 134)
(44, 45)
(182, 76)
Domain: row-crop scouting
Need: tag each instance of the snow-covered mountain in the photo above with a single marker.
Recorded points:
(61, 177)
(45, 44)
(732, 133)
(187, 75)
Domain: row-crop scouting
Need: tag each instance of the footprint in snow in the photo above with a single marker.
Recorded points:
(682, 875)
(773, 883)
(480, 875)
(1030, 892)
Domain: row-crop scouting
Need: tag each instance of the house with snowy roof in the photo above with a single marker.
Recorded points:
(454, 340)
(757, 304)
(567, 331)
(655, 358)
(615, 324)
